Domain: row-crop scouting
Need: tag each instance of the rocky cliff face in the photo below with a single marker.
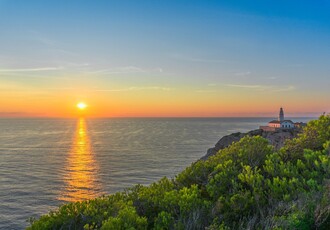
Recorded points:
(275, 138)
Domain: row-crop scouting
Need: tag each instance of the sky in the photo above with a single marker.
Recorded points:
(149, 58)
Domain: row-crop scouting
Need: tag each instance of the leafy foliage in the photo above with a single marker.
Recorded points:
(245, 186)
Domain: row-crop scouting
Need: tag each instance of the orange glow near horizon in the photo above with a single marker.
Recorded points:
(185, 102)
(81, 181)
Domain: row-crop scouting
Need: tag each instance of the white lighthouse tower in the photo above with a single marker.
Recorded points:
(280, 123)
(281, 115)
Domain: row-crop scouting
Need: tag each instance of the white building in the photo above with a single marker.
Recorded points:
(281, 122)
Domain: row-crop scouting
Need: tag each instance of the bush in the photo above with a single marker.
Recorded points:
(245, 186)
(126, 219)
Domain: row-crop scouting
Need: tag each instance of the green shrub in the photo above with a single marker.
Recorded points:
(244, 186)
(126, 219)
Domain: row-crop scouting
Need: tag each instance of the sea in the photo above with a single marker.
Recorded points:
(45, 163)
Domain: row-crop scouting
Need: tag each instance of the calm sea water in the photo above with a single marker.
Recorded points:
(47, 162)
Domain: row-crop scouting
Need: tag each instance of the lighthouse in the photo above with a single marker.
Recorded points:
(280, 123)
(281, 115)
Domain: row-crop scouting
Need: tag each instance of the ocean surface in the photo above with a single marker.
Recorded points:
(47, 162)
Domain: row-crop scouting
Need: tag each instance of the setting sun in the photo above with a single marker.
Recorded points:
(81, 105)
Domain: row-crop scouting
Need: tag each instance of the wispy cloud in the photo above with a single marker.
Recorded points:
(205, 60)
(39, 72)
(31, 75)
(205, 91)
(243, 74)
(135, 88)
(125, 70)
(270, 88)
(52, 45)
(287, 88)
(39, 37)
(118, 70)
(247, 86)
(271, 78)
(60, 89)
(85, 68)
(32, 69)
(195, 59)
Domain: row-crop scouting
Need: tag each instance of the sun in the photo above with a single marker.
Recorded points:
(81, 105)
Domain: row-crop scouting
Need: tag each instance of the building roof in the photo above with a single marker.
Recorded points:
(275, 122)
(278, 122)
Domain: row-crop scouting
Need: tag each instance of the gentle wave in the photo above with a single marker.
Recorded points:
(47, 162)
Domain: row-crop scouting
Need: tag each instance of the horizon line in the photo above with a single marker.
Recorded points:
(143, 117)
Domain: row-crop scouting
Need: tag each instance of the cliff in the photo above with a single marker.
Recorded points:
(275, 138)
(244, 186)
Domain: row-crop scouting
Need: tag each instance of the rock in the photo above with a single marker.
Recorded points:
(276, 138)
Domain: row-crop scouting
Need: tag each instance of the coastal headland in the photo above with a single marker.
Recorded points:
(250, 184)
(276, 138)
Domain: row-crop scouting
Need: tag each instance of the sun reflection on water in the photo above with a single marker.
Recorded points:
(81, 170)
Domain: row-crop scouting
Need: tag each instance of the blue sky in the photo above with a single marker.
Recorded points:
(274, 51)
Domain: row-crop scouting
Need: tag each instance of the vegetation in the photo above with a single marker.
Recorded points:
(245, 186)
